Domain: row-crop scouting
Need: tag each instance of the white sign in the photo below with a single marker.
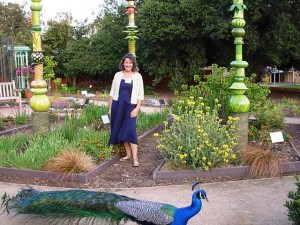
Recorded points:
(105, 119)
(276, 137)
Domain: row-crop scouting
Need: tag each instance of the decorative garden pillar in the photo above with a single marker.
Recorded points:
(131, 28)
(39, 102)
(239, 104)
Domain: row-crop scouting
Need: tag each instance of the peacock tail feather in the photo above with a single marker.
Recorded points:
(71, 204)
(74, 206)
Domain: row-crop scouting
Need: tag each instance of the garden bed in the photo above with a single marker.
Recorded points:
(80, 178)
(113, 173)
(239, 172)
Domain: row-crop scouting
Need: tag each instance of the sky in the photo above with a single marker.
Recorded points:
(80, 9)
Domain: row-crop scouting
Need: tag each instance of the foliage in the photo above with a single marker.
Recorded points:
(263, 163)
(21, 118)
(200, 30)
(15, 22)
(146, 121)
(291, 104)
(197, 139)
(31, 153)
(1, 124)
(95, 144)
(270, 116)
(56, 41)
(293, 204)
(216, 86)
(148, 90)
(49, 69)
(10, 148)
(85, 133)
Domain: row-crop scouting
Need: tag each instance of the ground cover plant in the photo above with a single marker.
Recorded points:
(293, 204)
(80, 139)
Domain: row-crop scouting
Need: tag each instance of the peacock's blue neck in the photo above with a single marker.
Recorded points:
(182, 215)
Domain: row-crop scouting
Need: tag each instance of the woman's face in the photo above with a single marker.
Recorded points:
(128, 65)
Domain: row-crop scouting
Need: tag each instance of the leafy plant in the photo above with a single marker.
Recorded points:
(49, 73)
(270, 116)
(149, 90)
(1, 124)
(76, 133)
(293, 204)
(217, 86)
(197, 139)
(21, 118)
(94, 143)
(146, 121)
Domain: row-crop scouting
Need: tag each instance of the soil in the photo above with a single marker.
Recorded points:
(124, 175)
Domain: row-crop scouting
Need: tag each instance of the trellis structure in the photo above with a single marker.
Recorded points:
(22, 67)
(14, 63)
(7, 60)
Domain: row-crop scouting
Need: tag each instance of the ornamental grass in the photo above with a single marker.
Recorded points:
(69, 162)
(263, 163)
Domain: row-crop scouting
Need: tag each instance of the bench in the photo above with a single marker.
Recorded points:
(9, 92)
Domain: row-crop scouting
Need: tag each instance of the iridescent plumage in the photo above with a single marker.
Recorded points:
(73, 205)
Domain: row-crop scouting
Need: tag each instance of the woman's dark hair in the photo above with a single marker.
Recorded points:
(132, 58)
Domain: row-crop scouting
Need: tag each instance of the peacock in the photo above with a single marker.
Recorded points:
(102, 207)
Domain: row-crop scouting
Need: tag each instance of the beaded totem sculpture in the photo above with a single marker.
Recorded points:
(39, 103)
(131, 27)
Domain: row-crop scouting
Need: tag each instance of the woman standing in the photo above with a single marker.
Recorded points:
(124, 103)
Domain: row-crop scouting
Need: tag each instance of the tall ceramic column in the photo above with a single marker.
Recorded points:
(131, 27)
(239, 104)
(39, 102)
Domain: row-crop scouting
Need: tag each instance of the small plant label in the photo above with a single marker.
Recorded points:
(276, 137)
(105, 119)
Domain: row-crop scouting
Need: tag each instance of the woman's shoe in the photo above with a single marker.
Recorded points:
(125, 158)
(136, 163)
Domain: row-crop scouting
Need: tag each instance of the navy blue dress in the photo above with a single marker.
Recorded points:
(123, 127)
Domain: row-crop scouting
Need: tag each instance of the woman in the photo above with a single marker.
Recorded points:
(124, 103)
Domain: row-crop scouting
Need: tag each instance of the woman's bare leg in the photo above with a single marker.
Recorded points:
(127, 148)
(134, 150)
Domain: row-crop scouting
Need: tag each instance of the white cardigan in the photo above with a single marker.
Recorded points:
(137, 87)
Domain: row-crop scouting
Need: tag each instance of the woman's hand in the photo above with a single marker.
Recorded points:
(134, 113)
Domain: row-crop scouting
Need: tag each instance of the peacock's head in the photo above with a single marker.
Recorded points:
(200, 193)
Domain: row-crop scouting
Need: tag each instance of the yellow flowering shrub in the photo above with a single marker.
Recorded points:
(197, 138)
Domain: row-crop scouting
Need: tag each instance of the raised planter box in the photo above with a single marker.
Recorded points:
(237, 171)
(81, 178)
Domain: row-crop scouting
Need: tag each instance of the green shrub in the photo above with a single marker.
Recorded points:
(294, 204)
(21, 118)
(146, 121)
(270, 116)
(94, 143)
(11, 147)
(197, 139)
(217, 86)
(1, 124)
(149, 90)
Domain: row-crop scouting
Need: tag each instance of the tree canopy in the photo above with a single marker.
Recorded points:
(176, 38)
(15, 22)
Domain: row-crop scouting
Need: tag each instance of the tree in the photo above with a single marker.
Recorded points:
(57, 38)
(15, 22)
